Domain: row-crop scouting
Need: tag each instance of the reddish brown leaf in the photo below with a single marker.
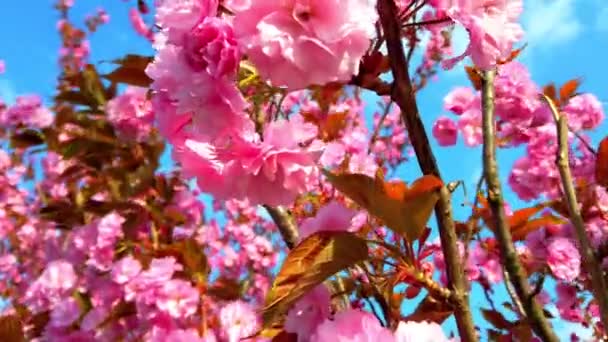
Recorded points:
(551, 92)
(520, 232)
(406, 210)
(432, 310)
(512, 55)
(11, 329)
(601, 163)
(131, 71)
(474, 76)
(496, 319)
(568, 90)
(311, 262)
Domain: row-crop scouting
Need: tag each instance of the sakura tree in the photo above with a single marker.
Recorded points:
(285, 218)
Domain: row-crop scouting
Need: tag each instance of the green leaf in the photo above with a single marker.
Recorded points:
(311, 262)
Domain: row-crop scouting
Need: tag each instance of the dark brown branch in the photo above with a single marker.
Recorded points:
(593, 268)
(510, 259)
(285, 223)
(403, 95)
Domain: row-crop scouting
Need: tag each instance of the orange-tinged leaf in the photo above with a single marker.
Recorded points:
(568, 90)
(551, 92)
(432, 310)
(11, 329)
(496, 319)
(474, 76)
(332, 126)
(406, 210)
(512, 55)
(131, 71)
(520, 232)
(601, 163)
(311, 262)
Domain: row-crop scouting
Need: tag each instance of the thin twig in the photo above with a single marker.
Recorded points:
(591, 264)
(403, 95)
(378, 128)
(510, 259)
(285, 223)
(511, 291)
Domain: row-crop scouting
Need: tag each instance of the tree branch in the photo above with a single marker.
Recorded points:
(591, 264)
(285, 223)
(510, 259)
(403, 95)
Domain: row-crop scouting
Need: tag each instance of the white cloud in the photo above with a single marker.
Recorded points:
(549, 23)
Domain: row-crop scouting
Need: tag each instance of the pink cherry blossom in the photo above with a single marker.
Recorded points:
(211, 46)
(65, 313)
(459, 100)
(238, 320)
(178, 298)
(334, 216)
(310, 311)
(492, 26)
(445, 131)
(419, 332)
(563, 259)
(273, 171)
(352, 325)
(177, 17)
(300, 43)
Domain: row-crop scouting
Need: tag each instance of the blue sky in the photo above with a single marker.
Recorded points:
(566, 39)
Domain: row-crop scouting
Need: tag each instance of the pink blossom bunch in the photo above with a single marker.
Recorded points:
(492, 26)
(300, 43)
(201, 111)
(131, 113)
(27, 110)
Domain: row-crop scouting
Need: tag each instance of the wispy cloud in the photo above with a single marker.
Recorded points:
(549, 23)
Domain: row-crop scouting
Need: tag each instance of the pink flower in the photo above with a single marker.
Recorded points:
(334, 216)
(65, 313)
(459, 100)
(27, 110)
(419, 332)
(470, 126)
(178, 298)
(352, 325)
(271, 172)
(492, 27)
(584, 112)
(2, 66)
(197, 101)
(211, 46)
(300, 43)
(308, 313)
(125, 269)
(445, 131)
(177, 17)
(238, 320)
(563, 259)
(55, 283)
(131, 113)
